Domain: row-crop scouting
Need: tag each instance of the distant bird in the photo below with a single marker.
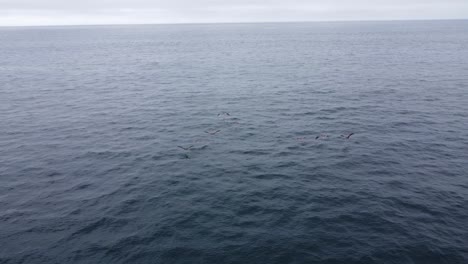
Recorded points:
(348, 136)
(321, 136)
(212, 132)
(224, 113)
(187, 148)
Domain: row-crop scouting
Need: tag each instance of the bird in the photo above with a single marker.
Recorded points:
(348, 136)
(224, 113)
(321, 136)
(188, 148)
(212, 132)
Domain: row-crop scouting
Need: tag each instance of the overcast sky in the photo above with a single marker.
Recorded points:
(79, 12)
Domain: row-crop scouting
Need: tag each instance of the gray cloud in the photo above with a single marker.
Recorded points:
(37, 12)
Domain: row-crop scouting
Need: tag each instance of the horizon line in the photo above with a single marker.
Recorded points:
(238, 22)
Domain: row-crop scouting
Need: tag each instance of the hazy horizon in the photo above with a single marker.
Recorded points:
(105, 12)
(236, 22)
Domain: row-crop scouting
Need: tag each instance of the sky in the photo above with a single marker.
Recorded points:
(86, 12)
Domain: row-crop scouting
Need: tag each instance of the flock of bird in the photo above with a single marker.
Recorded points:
(227, 115)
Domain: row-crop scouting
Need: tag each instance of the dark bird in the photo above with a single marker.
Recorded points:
(321, 136)
(349, 136)
(224, 113)
(188, 148)
(213, 132)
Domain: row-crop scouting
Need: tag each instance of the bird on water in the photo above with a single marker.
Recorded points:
(185, 148)
(348, 136)
(212, 132)
(321, 136)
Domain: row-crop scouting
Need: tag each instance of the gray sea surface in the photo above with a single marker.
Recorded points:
(227, 143)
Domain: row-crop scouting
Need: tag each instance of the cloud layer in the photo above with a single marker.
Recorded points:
(63, 12)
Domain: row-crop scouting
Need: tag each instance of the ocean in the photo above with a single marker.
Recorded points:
(339, 142)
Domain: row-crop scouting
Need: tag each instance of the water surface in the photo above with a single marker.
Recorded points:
(91, 119)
